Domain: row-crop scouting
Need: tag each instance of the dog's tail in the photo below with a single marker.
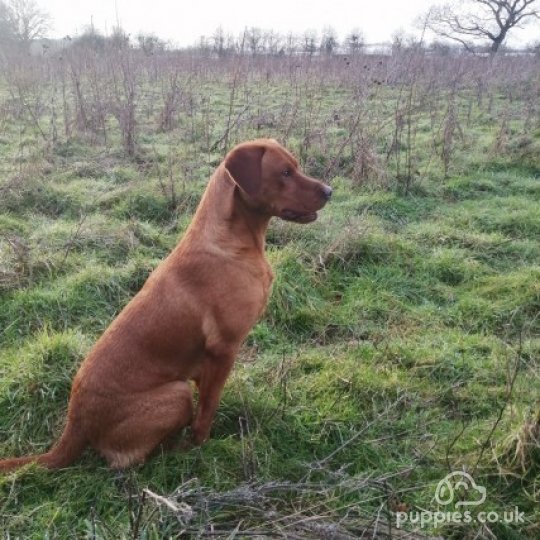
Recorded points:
(63, 453)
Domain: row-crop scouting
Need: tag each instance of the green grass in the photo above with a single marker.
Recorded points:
(396, 323)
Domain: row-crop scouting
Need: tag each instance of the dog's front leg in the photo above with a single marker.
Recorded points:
(210, 381)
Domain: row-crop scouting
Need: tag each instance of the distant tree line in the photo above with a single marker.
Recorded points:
(257, 41)
(473, 25)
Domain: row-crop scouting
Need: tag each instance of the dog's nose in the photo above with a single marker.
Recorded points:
(327, 191)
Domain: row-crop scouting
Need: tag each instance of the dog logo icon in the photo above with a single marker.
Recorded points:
(460, 481)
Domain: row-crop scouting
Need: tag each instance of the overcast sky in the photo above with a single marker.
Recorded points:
(183, 22)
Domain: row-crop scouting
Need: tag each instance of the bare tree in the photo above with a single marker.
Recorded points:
(6, 29)
(309, 39)
(218, 42)
(354, 41)
(490, 20)
(273, 42)
(291, 43)
(254, 40)
(24, 20)
(329, 42)
(150, 44)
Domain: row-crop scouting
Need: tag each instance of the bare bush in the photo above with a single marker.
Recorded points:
(332, 109)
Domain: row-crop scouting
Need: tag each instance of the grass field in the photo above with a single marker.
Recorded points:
(400, 342)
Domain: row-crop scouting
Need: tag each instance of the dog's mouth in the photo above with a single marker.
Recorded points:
(298, 217)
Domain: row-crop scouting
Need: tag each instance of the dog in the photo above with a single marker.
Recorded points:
(189, 319)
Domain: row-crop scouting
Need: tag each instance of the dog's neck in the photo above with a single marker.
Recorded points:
(226, 219)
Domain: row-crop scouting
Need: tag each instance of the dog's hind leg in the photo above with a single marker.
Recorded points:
(144, 422)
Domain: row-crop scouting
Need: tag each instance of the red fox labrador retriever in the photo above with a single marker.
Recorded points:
(189, 319)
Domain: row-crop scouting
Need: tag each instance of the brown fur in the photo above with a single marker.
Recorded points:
(189, 319)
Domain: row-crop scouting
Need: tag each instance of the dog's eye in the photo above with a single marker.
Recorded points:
(286, 172)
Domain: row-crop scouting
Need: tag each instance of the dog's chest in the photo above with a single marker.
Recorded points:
(255, 293)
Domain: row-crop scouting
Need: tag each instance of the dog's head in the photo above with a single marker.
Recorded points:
(271, 182)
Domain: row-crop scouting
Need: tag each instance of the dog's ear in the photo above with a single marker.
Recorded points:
(244, 164)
